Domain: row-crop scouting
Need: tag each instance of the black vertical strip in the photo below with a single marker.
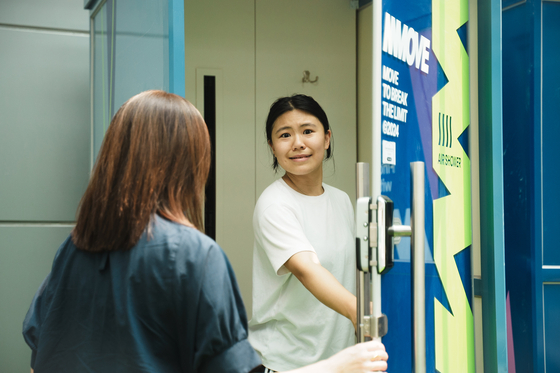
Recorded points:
(210, 119)
(450, 133)
(439, 141)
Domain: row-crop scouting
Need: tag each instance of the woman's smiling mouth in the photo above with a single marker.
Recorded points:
(300, 157)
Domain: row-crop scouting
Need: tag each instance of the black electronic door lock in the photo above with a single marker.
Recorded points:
(375, 232)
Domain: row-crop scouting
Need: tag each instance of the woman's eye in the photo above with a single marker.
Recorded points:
(307, 132)
(284, 135)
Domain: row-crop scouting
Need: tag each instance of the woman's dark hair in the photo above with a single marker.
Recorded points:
(299, 102)
(154, 159)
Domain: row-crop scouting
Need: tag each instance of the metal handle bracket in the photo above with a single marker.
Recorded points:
(375, 327)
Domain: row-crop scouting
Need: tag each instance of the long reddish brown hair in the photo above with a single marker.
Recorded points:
(154, 159)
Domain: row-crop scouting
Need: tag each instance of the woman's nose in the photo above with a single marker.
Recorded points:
(298, 142)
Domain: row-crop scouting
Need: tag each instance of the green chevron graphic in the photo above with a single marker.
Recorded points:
(454, 334)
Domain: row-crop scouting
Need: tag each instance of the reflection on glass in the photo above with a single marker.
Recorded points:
(130, 55)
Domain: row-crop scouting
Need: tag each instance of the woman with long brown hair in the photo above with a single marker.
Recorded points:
(137, 287)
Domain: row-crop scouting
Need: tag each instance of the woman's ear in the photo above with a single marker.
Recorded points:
(271, 147)
(328, 135)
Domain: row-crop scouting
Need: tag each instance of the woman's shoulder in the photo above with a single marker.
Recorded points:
(276, 202)
(174, 241)
(339, 198)
(335, 192)
(163, 227)
(276, 187)
(275, 193)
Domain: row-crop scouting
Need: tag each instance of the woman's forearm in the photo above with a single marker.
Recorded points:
(322, 284)
(326, 288)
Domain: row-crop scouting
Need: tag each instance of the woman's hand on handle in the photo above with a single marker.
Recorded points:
(361, 358)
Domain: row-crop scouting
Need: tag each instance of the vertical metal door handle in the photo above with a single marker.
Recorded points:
(418, 279)
(362, 278)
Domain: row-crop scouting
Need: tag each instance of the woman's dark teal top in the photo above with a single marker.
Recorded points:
(170, 304)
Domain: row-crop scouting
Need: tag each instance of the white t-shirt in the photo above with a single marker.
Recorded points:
(290, 328)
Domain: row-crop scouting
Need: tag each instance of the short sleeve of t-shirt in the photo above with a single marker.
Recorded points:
(221, 331)
(281, 235)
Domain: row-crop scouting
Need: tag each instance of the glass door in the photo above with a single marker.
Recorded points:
(135, 46)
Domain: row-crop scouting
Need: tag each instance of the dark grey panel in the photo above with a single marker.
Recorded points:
(44, 125)
(59, 14)
(26, 255)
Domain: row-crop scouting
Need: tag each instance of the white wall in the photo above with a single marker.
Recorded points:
(259, 50)
(297, 35)
(219, 35)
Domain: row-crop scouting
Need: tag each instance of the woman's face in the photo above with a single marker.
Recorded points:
(299, 142)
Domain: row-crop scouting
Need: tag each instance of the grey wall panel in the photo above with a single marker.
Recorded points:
(26, 255)
(60, 14)
(44, 124)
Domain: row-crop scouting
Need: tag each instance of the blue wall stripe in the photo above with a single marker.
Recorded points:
(177, 47)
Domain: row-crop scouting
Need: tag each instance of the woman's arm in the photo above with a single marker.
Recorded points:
(360, 358)
(322, 284)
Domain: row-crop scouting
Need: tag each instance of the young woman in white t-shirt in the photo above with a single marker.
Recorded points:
(304, 309)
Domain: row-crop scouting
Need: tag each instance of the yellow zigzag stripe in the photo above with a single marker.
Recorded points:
(452, 214)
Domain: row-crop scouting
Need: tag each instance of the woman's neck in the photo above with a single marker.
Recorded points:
(310, 185)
